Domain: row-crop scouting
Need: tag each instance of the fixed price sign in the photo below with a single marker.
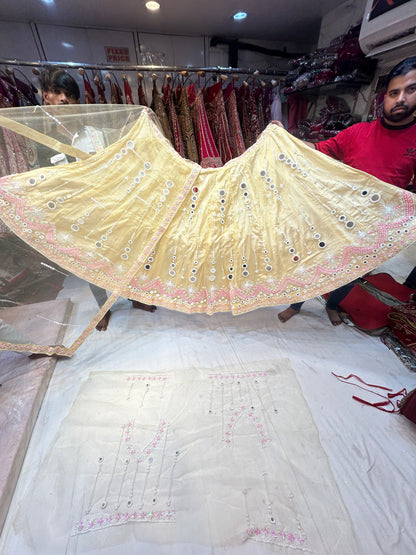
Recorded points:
(117, 54)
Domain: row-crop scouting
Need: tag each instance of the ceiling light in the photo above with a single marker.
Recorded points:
(239, 16)
(152, 6)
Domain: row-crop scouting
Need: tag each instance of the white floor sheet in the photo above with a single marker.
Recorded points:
(367, 456)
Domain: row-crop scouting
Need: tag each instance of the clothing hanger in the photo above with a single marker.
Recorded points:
(142, 92)
(253, 78)
(24, 86)
(186, 77)
(244, 90)
(97, 77)
(116, 92)
(215, 77)
(127, 90)
(141, 81)
(167, 86)
(9, 84)
(184, 74)
(111, 76)
(200, 74)
(8, 75)
(154, 79)
(166, 80)
(175, 81)
(234, 78)
(3, 71)
(84, 75)
(212, 77)
(24, 77)
(89, 91)
(223, 78)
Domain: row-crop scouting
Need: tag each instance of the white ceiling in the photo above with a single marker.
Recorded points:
(278, 20)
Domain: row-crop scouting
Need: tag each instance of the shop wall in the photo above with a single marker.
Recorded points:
(17, 41)
(37, 42)
(334, 24)
(339, 20)
(170, 50)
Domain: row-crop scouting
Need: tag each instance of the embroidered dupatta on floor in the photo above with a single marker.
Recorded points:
(281, 223)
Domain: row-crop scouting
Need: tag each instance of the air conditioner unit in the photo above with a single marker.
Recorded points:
(387, 25)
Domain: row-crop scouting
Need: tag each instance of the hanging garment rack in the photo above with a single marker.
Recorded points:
(153, 68)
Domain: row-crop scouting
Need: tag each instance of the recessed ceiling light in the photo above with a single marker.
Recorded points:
(152, 6)
(239, 15)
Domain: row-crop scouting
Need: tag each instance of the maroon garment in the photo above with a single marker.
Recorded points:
(242, 101)
(258, 96)
(116, 92)
(4, 161)
(9, 92)
(89, 94)
(298, 108)
(141, 94)
(100, 90)
(4, 165)
(159, 109)
(186, 124)
(252, 112)
(127, 91)
(208, 152)
(267, 105)
(236, 133)
(173, 119)
(25, 91)
(17, 153)
(217, 117)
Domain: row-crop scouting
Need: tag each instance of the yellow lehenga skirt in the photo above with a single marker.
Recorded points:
(281, 223)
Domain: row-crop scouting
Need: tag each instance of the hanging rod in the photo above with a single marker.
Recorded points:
(103, 67)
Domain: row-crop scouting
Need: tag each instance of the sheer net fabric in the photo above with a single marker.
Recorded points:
(279, 224)
(133, 467)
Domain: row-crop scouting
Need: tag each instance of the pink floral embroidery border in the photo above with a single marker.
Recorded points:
(116, 519)
(278, 537)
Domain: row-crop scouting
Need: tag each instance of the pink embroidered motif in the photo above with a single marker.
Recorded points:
(151, 445)
(118, 519)
(238, 376)
(234, 419)
(281, 538)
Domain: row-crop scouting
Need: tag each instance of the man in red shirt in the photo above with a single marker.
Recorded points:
(385, 148)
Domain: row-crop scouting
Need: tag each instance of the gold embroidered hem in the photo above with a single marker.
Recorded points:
(281, 223)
